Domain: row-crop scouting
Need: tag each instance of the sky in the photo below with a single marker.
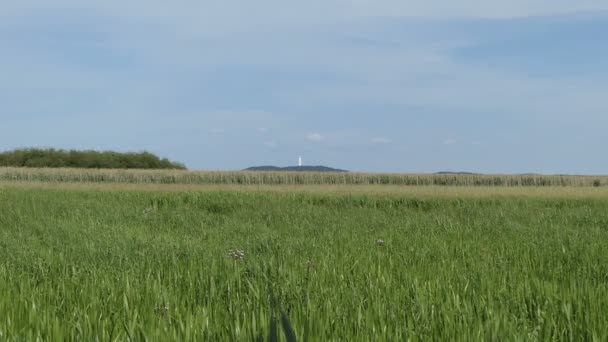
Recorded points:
(416, 86)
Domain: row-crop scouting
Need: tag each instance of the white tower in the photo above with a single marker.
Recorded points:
(299, 161)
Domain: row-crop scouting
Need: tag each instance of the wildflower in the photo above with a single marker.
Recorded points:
(236, 254)
(380, 243)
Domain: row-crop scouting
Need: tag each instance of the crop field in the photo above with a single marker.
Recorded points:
(83, 261)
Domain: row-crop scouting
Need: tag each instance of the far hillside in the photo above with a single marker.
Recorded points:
(295, 168)
(54, 158)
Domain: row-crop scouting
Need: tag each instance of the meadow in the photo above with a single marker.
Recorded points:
(111, 261)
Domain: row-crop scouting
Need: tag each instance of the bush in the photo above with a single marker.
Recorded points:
(40, 158)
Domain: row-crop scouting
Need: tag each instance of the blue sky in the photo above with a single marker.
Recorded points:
(382, 86)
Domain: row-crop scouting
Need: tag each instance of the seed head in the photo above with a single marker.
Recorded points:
(310, 265)
(236, 254)
(161, 310)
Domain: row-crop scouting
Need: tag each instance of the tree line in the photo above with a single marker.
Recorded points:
(41, 158)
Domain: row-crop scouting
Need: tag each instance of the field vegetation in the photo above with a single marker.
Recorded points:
(217, 262)
(292, 178)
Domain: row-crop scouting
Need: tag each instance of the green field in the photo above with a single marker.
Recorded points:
(88, 263)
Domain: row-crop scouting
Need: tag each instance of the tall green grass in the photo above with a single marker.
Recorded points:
(290, 178)
(114, 266)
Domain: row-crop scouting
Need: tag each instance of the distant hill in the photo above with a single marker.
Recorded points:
(295, 169)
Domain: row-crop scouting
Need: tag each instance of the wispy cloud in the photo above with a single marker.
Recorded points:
(228, 15)
(216, 131)
(315, 137)
(271, 144)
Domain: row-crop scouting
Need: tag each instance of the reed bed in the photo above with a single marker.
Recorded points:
(432, 191)
(292, 178)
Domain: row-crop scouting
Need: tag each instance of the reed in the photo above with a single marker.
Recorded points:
(291, 178)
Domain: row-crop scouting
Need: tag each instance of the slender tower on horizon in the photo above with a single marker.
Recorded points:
(300, 161)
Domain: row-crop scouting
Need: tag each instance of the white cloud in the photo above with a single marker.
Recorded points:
(414, 72)
(315, 137)
(226, 16)
(380, 140)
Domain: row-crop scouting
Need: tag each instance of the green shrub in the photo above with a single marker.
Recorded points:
(41, 158)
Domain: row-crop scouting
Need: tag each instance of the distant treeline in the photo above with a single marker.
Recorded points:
(41, 158)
